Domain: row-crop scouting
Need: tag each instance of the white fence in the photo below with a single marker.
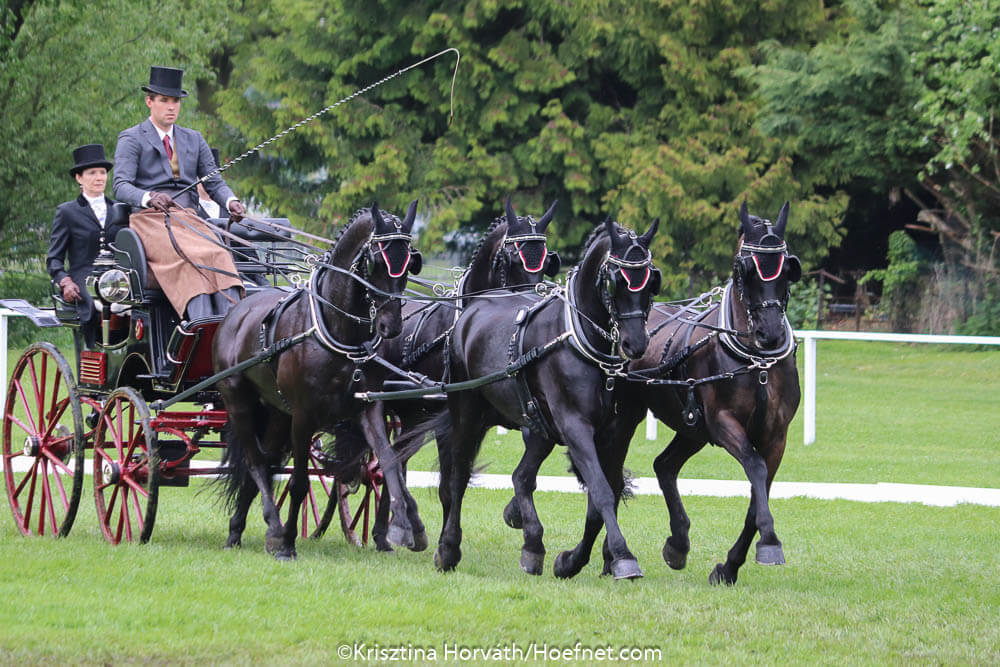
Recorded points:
(809, 363)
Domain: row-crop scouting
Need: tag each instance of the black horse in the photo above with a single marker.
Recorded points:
(328, 332)
(512, 255)
(562, 353)
(741, 354)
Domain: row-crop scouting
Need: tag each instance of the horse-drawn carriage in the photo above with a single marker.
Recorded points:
(572, 368)
(114, 411)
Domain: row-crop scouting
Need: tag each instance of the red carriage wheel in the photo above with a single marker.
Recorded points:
(311, 522)
(43, 441)
(365, 495)
(126, 468)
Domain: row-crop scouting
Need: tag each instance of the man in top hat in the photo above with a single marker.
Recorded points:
(77, 231)
(157, 159)
(157, 164)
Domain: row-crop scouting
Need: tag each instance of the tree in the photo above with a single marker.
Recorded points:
(71, 74)
(627, 109)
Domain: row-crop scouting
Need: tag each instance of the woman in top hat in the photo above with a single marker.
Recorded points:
(77, 231)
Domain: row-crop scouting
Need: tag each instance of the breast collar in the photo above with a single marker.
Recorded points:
(733, 344)
(611, 364)
(356, 353)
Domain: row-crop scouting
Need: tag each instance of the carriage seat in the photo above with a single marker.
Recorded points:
(131, 256)
(265, 247)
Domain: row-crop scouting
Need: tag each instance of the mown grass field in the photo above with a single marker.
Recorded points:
(884, 583)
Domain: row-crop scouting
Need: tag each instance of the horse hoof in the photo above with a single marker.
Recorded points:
(564, 567)
(441, 563)
(719, 576)
(232, 545)
(532, 563)
(676, 559)
(400, 536)
(419, 541)
(273, 545)
(384, 547)
(286, 556)
(770, 554)
(626, 568)
(512, 515)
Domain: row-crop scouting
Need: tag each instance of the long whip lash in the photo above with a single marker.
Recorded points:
(361, 91)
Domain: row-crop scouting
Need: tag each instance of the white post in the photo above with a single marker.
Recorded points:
(650, 426)
(3, 357)
(501, 430)
(809, 418)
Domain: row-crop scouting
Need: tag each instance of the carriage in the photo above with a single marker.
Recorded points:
(138, 407)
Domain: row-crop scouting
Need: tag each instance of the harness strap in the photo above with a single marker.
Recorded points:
(531, 414)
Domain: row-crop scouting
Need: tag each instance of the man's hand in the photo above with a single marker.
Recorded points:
(161, 201)
(70, 290)
(236, 210)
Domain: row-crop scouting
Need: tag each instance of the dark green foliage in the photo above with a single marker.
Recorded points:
(632, 110)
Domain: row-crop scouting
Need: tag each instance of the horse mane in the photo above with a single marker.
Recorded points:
(591, 257)
(480, 266)
(351, 236)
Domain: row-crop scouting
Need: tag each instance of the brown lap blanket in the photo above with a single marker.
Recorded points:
(183, 277)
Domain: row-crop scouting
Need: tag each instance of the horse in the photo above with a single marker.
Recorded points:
(727, 376)
(559, 390)
(323, 338)
(512, 255)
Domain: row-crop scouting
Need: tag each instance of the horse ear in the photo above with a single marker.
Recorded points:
(376, 215)
(744, 219)
(779, 226)
(416, 262)
(609, 227)
(793, 268)
(411, 215)
(511, 216)
(545, 219)
(647, 238)
(552, 264)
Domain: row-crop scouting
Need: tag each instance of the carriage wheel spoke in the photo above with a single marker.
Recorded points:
(31, 428)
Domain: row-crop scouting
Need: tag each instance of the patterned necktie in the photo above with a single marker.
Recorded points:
(174, 167)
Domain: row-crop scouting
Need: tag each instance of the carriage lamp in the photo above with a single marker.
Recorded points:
(113, 286)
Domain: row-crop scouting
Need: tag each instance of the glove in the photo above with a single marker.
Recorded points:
(236, 210)
(161, 201)
(70, 290)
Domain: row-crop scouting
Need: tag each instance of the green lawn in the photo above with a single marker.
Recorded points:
(864, 583)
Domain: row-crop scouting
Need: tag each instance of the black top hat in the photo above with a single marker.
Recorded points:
(91, 155)
(165, 81)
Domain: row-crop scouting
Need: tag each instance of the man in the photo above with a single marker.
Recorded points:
(157, 164)
(76, 235)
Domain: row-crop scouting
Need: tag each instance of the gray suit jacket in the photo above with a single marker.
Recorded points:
(141, 166)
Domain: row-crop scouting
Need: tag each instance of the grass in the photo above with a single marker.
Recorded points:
(864, 584)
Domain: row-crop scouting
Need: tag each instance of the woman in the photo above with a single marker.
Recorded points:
(76, 235)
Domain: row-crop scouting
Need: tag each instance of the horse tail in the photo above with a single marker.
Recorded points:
(437, 424)
(343, 453)
(235, 471)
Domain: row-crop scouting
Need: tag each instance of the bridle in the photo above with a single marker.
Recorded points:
(615, 270)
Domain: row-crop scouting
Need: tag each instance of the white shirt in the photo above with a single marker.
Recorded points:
(98, 206)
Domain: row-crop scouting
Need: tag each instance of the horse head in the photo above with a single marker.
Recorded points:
(762, 273)
(390, 259)
(524, 257)
(627, 282)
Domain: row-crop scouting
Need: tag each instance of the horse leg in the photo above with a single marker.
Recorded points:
(536, 450)
(612, 461)
(456, 453)
(667, 466)
(758, 517)
(530, 462)
(298, 485)
(601, 502)
(238, 522)
(373, 423)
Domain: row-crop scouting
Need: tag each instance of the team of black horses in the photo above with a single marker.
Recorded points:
(577, 364)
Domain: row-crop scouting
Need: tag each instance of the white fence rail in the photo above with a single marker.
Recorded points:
(809, 339)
